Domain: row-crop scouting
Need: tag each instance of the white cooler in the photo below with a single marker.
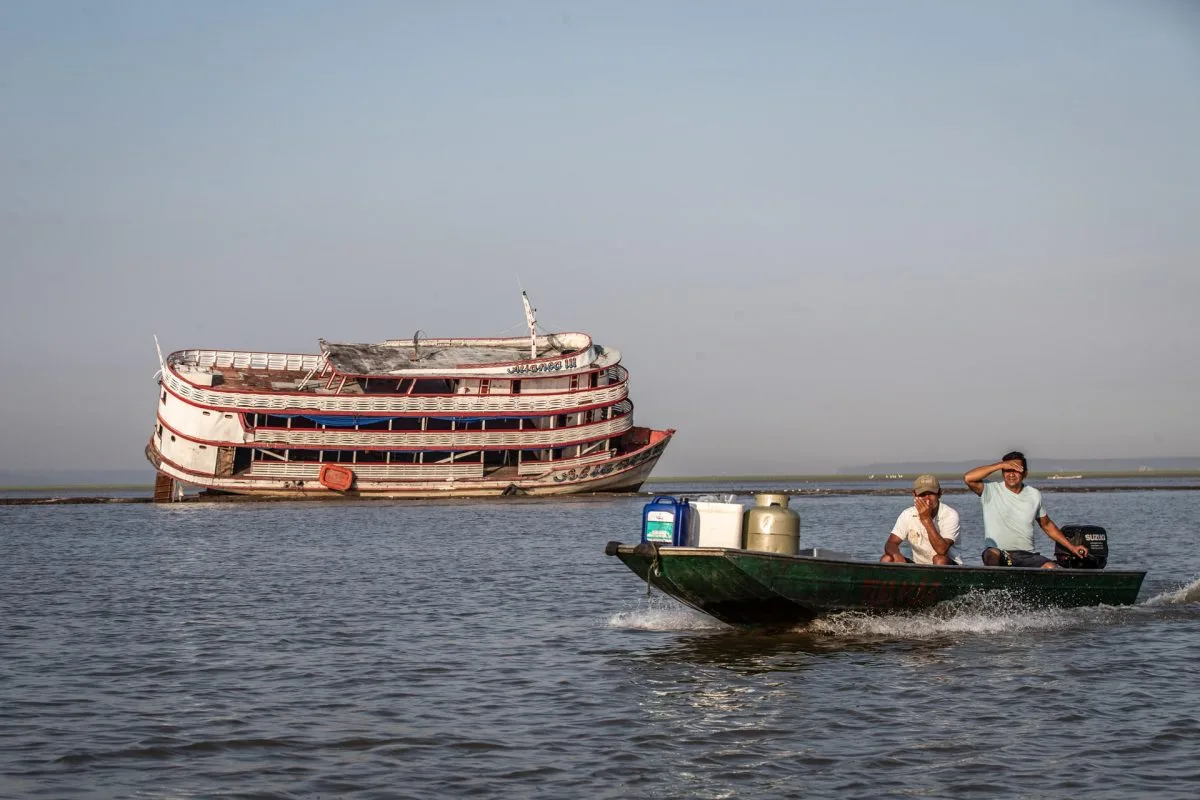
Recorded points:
(717, 525)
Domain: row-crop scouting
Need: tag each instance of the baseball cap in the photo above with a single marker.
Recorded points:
(926, 483)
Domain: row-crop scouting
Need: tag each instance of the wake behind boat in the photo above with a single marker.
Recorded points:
(546, 414)
(744, 586)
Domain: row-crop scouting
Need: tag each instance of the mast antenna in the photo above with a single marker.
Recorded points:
(531, 318)
(162, 366)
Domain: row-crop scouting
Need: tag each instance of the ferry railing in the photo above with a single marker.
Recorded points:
(462, 404)
(341, 439)
(233, 359)
(303, 362)
(309, 470)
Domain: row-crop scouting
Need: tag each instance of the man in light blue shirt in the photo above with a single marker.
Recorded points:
(1009, 510)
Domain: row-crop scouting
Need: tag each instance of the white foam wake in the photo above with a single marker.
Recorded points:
(986, 613)
(975, 613)
(658, 614)
(1187, 594)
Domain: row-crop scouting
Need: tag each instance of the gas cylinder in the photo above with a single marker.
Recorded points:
(771, 526)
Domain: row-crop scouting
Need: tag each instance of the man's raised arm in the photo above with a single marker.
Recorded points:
(974, 478)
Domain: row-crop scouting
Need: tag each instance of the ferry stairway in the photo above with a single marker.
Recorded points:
(164, 488)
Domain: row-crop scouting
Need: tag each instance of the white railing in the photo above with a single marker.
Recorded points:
(578, 345)
(233, 359)
(310, 471)
(341, 439)
(461, 404)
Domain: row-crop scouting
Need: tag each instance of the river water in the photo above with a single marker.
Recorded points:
(447, 649)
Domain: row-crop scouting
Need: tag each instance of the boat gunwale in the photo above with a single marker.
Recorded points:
(726, 552)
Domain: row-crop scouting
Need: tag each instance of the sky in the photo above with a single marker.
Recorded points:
(820, 233)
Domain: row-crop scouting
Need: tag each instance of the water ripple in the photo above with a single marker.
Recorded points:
(452, 649)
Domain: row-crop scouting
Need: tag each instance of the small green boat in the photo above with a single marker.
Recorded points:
(746, 587)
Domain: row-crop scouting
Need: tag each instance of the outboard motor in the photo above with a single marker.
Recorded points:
(1093, 537)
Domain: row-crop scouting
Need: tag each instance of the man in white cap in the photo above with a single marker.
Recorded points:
(929, 526)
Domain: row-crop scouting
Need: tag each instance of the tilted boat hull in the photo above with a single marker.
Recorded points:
(625, 474)
(744, 587)
(548, 414)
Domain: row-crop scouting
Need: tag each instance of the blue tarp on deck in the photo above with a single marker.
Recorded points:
(351, 421)
(343, 422)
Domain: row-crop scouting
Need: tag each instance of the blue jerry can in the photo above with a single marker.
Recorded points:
(665, 521)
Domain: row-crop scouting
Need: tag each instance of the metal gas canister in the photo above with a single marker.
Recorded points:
(770, 526)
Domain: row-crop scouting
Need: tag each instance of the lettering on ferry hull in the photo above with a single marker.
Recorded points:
(549, 366)
(600, 470)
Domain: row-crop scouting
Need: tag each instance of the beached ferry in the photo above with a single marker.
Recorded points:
(543, 414)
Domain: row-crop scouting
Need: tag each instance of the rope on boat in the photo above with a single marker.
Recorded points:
(654, 569)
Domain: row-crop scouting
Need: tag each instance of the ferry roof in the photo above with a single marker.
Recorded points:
(396, 356)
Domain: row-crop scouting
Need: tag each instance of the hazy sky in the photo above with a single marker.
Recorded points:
(822, 234)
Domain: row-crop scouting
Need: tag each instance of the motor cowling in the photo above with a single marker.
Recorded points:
(1093, 537)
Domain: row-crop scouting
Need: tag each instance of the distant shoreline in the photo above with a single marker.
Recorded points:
(943, 476)
(80, 487)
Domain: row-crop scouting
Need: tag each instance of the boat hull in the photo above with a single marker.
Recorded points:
(624, 474)
(744, 587)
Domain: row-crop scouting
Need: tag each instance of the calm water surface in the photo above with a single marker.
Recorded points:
(442, 649)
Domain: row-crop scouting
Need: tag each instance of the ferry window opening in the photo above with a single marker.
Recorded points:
(432, 386)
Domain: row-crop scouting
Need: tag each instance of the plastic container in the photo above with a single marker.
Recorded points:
(665, 521)
(717, 525)
(335, 477)
(771, 527)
